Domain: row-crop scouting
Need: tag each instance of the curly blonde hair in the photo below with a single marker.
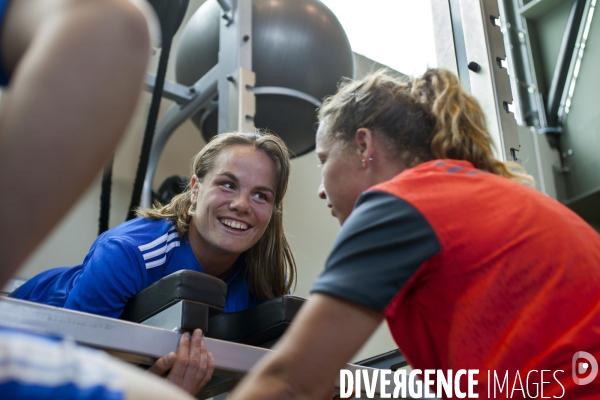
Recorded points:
(270, 264)
(425, 118)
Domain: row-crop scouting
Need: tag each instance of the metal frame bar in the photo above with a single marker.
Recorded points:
(567, 49)
(114, 335)
(576, 59)
(283, 91)
(171, 90)
(130, 341)
(236, 102)
(205, 90)
(491, 84)
(530, 109)
(460, 45)
(225, 5)
(537, 8)
(445, 47)
(242, 102)
(479, 59)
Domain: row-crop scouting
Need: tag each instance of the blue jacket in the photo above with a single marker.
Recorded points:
(122, 262)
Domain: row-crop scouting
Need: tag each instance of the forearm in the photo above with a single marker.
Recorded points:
(71, 97)
(266, 387)
(276, 380)
(306, 361)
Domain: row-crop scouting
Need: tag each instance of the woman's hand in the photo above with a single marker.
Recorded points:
(191, 368)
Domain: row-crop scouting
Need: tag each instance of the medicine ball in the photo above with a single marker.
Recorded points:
(296, 44)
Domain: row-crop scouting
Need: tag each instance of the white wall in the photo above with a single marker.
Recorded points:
(309, 226)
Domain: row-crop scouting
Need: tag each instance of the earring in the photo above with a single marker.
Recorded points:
(363, 161)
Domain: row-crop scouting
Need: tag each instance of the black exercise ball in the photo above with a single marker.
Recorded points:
(296, 44)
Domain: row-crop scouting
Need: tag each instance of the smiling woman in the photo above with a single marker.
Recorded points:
(228, 223)
(234, 205)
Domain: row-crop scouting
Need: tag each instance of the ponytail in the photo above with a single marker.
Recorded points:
(430, 117)
(460, 130)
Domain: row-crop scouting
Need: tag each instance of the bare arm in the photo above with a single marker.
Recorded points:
(77, 69)
(326, 334)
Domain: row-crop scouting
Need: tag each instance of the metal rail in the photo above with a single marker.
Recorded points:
(129, 341)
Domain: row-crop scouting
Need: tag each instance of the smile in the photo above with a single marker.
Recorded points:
(234, 224)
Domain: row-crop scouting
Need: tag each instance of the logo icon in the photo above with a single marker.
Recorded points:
(580, 367)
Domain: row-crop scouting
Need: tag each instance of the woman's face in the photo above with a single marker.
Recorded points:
(233, 203)
(342, 176)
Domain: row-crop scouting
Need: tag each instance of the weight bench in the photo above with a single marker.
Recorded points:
(187, 300)
(182, 301)
(143, 344)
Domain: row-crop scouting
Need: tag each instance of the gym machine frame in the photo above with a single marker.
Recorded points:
(469, 41)
(232, 81)
(144, 344)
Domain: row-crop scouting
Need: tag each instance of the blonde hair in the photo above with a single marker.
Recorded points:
(426, 118)
(270, 264)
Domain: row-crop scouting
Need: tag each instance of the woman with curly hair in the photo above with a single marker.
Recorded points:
(471, 268)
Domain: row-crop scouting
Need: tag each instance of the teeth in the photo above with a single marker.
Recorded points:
(234, 224)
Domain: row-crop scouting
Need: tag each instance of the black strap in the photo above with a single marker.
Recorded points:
(170, 18)
(105, 197)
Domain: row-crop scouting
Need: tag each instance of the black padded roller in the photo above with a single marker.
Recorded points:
(258, 325)
(182, 285)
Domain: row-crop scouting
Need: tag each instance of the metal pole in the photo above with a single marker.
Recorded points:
(489, 79)
(561, 72)
(237, 104)
(205, 90)
(225, 5)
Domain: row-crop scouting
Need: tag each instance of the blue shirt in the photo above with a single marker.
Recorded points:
(122, 262)
(34, 366)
